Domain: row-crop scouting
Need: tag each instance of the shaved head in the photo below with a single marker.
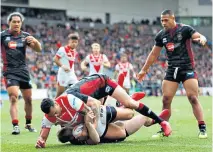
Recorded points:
(168, 12)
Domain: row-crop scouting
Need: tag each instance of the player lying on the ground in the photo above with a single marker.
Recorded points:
(68, 110)
(112, 132)
(99, 86)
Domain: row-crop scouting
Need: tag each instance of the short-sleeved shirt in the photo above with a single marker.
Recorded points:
(13, 52)
(124, 68)
(177, 43)
(67, 57)
(94, 63)
(71, 116)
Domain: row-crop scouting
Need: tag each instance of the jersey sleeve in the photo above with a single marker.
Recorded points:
(87, 59)
(60, 53)
(75, 102)
(158, 40)
(47, 122)
(189, 31)
(105, 59)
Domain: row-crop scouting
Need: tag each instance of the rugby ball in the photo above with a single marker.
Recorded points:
(77, 130)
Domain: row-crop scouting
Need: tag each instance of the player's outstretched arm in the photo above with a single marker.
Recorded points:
(152, 57)
(199, 37)
(34, 43)
(42, 138)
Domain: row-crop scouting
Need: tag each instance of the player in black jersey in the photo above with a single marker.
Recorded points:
(176, 39)
(13, 48)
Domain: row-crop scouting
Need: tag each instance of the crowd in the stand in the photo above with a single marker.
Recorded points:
(135, 40)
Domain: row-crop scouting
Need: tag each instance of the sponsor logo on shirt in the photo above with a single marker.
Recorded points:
(164, 40)
(170, 46)
(12, 45)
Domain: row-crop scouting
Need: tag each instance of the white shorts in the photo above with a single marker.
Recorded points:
(64, 79)
(102, 122)
(126, 83)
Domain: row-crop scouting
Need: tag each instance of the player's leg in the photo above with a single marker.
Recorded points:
(191, 87)
(115, 132)
(169, 89)
(114, 114)
(128, 102)
(60, 90)
(62, 82)
(135, 123)
(27, 96)
(13, 89)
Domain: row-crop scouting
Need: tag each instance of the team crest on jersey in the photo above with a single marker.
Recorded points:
(7, 39)
(164, 40)
(170, 46)
(179, 36)
(108, 89)
(12, 44)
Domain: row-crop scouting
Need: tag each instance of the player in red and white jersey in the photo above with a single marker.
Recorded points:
(65, 58)
(67, 110)
(124, 67)
(96, 61)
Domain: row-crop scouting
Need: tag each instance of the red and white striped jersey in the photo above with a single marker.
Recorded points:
(70, 116)
(67, 56)
(124, 68)
(95, 63)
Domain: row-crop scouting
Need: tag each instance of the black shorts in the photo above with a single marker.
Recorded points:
(178, 75)
(23, 85)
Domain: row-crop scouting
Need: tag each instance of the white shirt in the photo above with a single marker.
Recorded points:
(124, 68)
(95, 63)
(66, 57)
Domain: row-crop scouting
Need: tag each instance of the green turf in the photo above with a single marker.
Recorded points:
(183, 139)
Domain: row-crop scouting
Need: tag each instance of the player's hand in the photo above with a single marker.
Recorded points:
(140, 76)
(89, 117)
(202, 40)
(40, 143)
(66, 69)
(84, 68)
(30, 40)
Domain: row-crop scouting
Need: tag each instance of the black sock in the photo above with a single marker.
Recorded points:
(144, 110)
(202, 125)
(28, 121)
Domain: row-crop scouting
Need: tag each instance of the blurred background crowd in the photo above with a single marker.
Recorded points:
(136, 39)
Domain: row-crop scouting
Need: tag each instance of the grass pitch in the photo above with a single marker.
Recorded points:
(183, 139)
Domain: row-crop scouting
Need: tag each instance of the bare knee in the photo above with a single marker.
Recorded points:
(130, 114)
(13, 98)
(167, 102)
(193, 99)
